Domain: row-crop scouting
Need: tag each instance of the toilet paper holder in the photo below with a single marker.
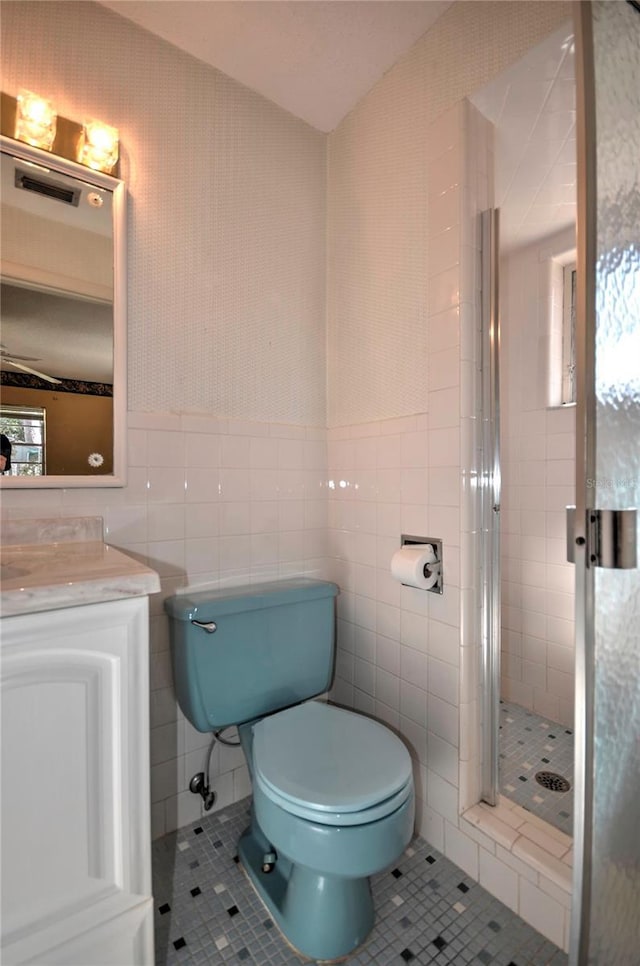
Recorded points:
(408, 539)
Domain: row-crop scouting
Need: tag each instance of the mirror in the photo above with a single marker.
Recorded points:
(63, 354)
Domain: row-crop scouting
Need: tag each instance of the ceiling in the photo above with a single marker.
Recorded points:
(532, 105)
(314, 58)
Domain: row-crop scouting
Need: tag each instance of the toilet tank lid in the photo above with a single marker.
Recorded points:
(209, 604)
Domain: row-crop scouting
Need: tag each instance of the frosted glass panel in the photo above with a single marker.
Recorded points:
(615, 911)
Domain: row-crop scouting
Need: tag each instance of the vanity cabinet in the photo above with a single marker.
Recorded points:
(76, 843)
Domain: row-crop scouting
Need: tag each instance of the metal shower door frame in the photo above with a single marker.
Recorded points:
(586, 243)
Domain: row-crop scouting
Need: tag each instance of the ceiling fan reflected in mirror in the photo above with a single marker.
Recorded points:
(17, 362)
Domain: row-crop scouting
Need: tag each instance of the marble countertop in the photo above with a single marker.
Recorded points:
(49, 576)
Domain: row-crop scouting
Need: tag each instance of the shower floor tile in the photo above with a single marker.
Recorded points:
(206, 912)
(530, 744)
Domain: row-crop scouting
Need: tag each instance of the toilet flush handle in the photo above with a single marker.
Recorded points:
(209, 626)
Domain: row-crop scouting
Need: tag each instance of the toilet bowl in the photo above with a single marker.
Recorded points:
(333, 796)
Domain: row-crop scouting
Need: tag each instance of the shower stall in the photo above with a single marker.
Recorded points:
(528, 438)
(602, 533)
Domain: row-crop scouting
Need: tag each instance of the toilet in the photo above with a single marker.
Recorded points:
(333, 797)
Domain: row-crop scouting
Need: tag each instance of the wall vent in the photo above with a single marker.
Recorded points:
(44, 186)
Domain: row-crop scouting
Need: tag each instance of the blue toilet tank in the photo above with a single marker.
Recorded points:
(272, 647)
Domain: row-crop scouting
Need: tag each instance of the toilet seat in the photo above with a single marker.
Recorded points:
(330, 766)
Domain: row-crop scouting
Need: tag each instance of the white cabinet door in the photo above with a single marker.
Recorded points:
(75, 776)
(122, 941)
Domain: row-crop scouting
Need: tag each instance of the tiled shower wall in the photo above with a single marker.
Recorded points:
(538, 471)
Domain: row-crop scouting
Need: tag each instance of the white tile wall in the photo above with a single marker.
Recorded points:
(390, 654)
(409, 658)
(538, 443)
(239, 502)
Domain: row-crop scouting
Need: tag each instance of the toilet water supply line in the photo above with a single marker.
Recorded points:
(200, 783)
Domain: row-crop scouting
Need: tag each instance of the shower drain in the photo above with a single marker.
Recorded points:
(552, 781)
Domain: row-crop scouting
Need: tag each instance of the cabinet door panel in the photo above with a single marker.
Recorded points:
(75, 798)
(123, 941)
(58, 783)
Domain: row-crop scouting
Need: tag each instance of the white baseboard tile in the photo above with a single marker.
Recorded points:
(556, 892)
(181, 810)
(501, 881)
(431, 828)
(441, 796)
(547, 865)
(542, 912)
(461, 849)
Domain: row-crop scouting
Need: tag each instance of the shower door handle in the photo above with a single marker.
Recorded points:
(611, 538)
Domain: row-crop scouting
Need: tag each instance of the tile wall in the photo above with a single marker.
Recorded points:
(410, 658)
(248, 504)
(398, 647)
(207, 502)
(538, 465)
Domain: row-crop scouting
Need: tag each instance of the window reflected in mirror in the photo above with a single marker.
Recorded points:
(25, 430)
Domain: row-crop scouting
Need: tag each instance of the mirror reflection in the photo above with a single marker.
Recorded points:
(57, 351)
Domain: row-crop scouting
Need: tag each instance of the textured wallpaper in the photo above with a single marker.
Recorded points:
(380, 205)
(226, 214)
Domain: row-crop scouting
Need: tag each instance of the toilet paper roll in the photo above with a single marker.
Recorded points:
(411, 565)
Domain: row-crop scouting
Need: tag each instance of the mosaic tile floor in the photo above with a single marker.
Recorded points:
(531, 744)
(206, 911)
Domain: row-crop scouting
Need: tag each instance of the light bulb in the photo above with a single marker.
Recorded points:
(35, 120)
(98, 146)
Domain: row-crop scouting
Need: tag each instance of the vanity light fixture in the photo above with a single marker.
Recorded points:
(98, 146)
(35, 120)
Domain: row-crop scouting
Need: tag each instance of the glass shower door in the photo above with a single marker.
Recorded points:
(606, 911)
